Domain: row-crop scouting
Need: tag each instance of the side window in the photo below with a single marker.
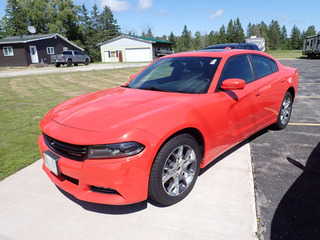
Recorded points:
(261, 66)
(274, 65)
(237, 67)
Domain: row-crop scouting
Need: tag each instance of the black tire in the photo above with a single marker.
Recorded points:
(284, 112)
(69, 63)
(175, 170)
(86, 62)
(57, 64)
(75, 64)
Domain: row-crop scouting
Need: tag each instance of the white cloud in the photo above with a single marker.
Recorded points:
(115, 5)
(283, 18)
(217, 14)
(144, 4)
(163, 13)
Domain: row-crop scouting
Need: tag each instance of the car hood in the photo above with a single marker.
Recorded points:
(116, 107)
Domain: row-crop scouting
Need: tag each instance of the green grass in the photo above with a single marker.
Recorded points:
(25, 100)
(286, 54)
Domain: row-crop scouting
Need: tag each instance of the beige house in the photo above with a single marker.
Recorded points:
(127, 48)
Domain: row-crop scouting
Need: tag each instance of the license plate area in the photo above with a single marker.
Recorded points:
(51, 161)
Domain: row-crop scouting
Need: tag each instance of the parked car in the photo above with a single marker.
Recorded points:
(247, 46)
(151, 136)
(70, 57)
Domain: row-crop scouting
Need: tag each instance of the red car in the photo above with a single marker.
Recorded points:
(151, 136)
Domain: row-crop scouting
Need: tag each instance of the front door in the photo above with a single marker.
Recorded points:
(34, 54)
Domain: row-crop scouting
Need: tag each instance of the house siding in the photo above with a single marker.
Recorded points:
(18, 58)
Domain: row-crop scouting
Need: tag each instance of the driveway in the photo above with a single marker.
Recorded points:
(221, 206)
(64, 69)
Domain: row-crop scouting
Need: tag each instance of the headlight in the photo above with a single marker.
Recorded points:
(117, 150)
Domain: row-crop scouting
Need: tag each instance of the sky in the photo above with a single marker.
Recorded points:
(166, 16)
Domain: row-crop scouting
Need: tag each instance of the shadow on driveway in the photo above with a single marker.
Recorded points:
(298, 214)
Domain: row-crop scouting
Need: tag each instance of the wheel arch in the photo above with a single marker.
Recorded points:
(194, 132)
(292, 92)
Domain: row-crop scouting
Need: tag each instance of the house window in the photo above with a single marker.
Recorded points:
(7, 51)
(114, 54)
(50, 50)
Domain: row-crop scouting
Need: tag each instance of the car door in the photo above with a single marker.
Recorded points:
(269, 84)
(241, 107)
(231, 112)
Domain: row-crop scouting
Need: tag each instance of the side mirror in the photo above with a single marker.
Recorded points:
(133, 76)
(233, 84)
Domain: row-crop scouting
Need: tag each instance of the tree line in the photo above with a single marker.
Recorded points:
(88, 28)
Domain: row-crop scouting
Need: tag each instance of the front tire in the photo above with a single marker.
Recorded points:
(86, 62)
(175, 170)
(285, 112)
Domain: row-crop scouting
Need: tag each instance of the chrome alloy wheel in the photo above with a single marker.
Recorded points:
(179, 170)
(285, 110)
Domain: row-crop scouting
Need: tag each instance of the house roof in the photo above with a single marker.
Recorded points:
(36, 37)
(137, 38)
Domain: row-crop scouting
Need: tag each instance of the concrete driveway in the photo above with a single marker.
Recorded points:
(221, 206)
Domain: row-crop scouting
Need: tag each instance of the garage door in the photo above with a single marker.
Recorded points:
(138, 54)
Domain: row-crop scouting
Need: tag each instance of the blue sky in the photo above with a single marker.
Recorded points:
(164, 16)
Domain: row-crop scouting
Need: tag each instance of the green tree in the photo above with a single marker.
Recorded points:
(36, 12)
(197, 41)
(231, 32)
(263, 28)
(222, 36)
(274, 35)
(15, 18)
(295, 38)
(184, 42)
(212, 38)
(284, 40)
(238, 31)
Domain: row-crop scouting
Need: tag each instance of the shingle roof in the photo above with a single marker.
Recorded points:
(142, 39)
(35, 37)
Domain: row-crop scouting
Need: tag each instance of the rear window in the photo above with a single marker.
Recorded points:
(67, 53)
(261, 65)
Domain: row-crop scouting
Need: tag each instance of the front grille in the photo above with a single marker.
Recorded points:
(71, 151)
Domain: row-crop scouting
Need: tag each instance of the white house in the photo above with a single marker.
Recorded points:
(127, 48)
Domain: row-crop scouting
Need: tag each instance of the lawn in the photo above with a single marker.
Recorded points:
(25, 100)
(286, 54)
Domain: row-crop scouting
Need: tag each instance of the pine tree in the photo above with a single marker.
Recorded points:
(222, 36)
(15, 18)
(274, 35)
(238, 30)
(295, 38)
(231, 34)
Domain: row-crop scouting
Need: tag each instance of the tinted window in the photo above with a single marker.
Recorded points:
(237, 67)
(67, 53)
(261, 66)
(274, 66)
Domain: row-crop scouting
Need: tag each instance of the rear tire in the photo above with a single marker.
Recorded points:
(86, 62)
(69, 63)
(285, 112)
(75, 64)
(57, 64)
(175, 170)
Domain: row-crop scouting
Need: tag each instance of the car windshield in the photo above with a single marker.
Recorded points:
(178, 74)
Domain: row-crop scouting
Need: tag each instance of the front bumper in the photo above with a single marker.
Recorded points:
(106, 181)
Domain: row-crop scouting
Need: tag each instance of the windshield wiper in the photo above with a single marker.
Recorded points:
(154, 89)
